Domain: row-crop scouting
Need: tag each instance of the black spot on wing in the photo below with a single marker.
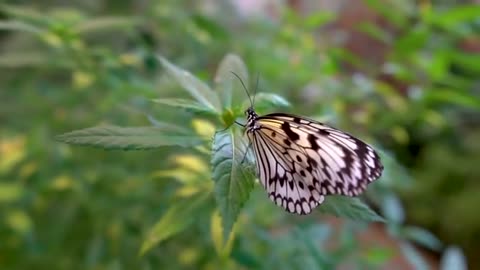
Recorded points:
(348, 159)
(282, 181)
(271, 181)
(292, 135)
(291, 184)
(312, 163)
(301, 185)
(339, 185)
(313, 142)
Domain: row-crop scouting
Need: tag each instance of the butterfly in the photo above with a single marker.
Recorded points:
(299, 161)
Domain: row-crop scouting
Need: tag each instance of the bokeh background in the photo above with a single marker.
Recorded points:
(403, 75)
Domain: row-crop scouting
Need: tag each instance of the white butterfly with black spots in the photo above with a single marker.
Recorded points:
(299, 161)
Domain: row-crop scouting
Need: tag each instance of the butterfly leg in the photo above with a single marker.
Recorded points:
(240, 124)
(246, 152)
(236, 122)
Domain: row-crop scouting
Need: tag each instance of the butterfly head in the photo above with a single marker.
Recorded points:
(251, 119)
(251, 114)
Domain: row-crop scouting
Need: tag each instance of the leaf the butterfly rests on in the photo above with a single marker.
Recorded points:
(300, 161)
(233, 182)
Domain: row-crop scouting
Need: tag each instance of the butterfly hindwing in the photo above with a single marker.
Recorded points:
(280, 175)
(299, 161)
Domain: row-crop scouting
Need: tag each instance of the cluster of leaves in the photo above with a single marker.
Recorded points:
(233, 180)
(435, 64)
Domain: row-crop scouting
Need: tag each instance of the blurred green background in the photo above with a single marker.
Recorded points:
(404, 75)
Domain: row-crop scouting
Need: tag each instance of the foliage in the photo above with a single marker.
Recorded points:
(97, 64)
(233, 181)
(111, 137)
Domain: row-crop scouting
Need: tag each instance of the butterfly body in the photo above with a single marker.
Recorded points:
(252, 117)
(300, 161)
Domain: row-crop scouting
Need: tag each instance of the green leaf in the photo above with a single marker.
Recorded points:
(451, 96)
(177, 218)
(10, 192)
(19, 26)
(233, 181)
(398, 18)
(378, 255)
(166, 126)
(439, 65)
(226, 84)
(455, 16)
(23, 12)
(106, 23)
(351, 208)
(422, 236)
(413, 256)
(318, 19)
(25, 59)
(266, 101)
(189, 105)
(222, 246)
(412, 41)
(375, 31)
(393, 209)
(128, 138)
(198, 89)
(467, 62)
(213, 28)
(309, 238)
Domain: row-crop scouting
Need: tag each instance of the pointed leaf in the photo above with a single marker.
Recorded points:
(459, 15)
(25, 59)
(198, 89)
(166, 126)
(452, 96)
(189, 105)
(106, 23)
(128, 138)
(210, 27)
(393, 209)
(351, 208)
(318, 18)
(228, 85)
(266, 101)
(24, 13)
(177, 218)
(222, 247)
(413, 256)
(19, 26)
(422, 237)
(233, 181)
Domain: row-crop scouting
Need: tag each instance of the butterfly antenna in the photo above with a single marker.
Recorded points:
(256, 87)
(241, 81)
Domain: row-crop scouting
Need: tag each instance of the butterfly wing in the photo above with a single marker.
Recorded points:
(299, 161)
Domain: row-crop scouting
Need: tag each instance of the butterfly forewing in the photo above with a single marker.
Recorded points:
(300, 160)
